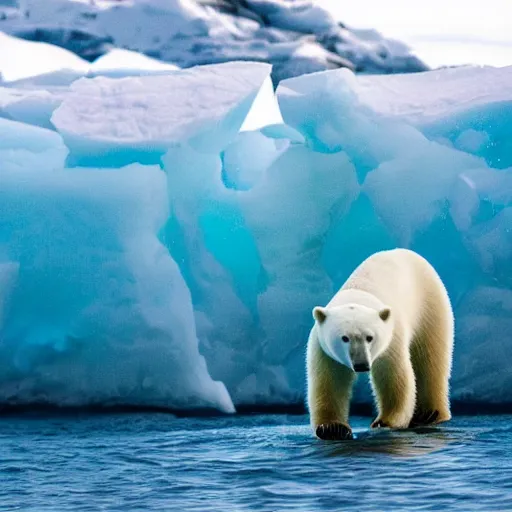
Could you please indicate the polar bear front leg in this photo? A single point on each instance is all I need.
(394, 386)
(329, 393)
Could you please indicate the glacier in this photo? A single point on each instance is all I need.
(164, 238)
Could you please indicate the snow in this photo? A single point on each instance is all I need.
(137, 115)
(20, 59)
(166, 242)
(295, 37)
(119, 63)
(27, 64)
(30, 92)
(35, 103)
(302, 16)
(419, 99)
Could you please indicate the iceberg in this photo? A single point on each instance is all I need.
(94, 310)
(30, 93)
(134, 119)
(30, 106)
(165, 243)
(26, 147)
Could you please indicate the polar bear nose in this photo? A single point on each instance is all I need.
(361, 367)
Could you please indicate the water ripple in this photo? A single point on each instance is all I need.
(253, 463)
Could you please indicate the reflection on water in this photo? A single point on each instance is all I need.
(409, 443)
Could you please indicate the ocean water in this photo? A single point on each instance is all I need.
(146, 462)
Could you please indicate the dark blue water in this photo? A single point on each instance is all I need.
(157, 462)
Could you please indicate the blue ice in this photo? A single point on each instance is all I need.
(165, 243)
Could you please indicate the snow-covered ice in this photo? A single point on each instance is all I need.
(149, 114)
(35, 77)
(20, 59)
(27, 64)
(296, 37)
(119, 63)
(119, 277)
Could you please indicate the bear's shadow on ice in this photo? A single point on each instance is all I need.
(404, 443)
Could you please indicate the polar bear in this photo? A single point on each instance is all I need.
(393, 318)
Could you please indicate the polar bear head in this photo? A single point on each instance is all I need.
(353, 334)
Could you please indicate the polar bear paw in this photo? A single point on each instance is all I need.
(422, 418)
(334, 432)
(379, 423)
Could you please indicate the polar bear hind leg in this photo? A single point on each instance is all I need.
(431, 355)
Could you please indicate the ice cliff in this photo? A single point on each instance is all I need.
(164, 238)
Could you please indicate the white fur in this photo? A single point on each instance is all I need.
(398, 299)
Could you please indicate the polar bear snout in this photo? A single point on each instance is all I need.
(361, 367)
(359, 356)
(361, 363)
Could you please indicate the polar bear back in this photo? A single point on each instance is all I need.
(400, 279)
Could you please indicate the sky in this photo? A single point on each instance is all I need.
(441, 32)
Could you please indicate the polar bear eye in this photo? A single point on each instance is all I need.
(345, 339)
(369, 338)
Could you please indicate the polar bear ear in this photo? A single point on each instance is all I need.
(319, 314)
(384, 313)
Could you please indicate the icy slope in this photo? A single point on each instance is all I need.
(28, 64)
(21, 59)
(191, 213)
(295, 37)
